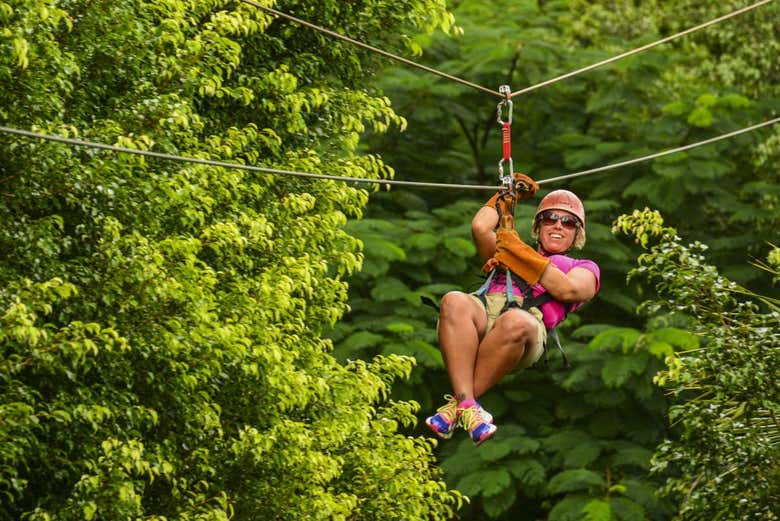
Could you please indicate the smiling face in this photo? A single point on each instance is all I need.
(557, 230)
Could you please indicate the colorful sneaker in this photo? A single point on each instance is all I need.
(445, 420)
(477, 421)
(485, 415)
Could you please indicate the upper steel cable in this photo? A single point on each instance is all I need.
(223, 164)
(640, 49)
(376, 50)
(662, 153)
(531, 88)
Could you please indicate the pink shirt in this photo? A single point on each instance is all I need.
(553, 311)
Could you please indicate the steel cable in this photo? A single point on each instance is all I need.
(640, 49)
(264, 170)
(525, 90)
(376, 50)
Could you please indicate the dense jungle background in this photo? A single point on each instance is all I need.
(184, 341)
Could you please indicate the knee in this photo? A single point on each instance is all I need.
(453, 305)
(516, 327)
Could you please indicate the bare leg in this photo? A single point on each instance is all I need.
(502, 348)
(462, 323)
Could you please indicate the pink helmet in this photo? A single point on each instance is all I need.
(562, 200)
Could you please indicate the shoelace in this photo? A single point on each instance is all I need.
(471, 418)
(450, 409)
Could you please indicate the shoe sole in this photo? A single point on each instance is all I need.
(477, 443)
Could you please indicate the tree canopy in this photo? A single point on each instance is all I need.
(160, 322)
(183, 341)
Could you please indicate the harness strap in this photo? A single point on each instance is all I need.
(482, 291)
(554, 334)
(511, 301)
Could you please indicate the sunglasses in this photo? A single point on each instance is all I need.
(550, 218)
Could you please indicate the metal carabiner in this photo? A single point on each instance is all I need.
(506, 91)
(506, 179)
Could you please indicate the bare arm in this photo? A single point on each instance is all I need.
(483, 231)
(579, 285)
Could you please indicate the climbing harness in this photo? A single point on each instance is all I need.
(525, 302)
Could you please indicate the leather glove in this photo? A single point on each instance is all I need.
(513, 253)
(502, 202)
(525, 187)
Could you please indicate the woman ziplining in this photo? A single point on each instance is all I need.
(503, 326)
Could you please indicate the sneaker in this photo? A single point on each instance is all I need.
(485, 415)
(445, 420)
(477, 421)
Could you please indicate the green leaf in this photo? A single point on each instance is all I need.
(527, 470)
(496, 450)
(615, 338)
(632, 456)
(575, 480)
(460, 247)
(590, 330)
(422, 241)
(627, 510)
(660, 350)
(642, 493)
(383, 249)
(582, 374)
(566, 440)
(497, 504)
(518, 395)
(389, 289)
(675, 108)
(362, 340)
(707, 100)
(484, 482)
(463, 461)
(680, 338)
(569, 508)
(582, 455)
(700, 117)
(597, 510)
(619, 369)
(425, 353)
(400, 327)
(607, 397)
(734, 101)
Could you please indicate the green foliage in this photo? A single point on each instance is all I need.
(724, 195)
(724, 465)
(161, 354)
(404, 258)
